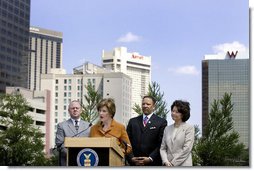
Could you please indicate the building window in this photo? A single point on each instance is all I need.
(69, 81)
(56, 88)
(56, 81)
(65, 81)
(56, 114)
(69, 88)
(56, 94)
(107, 60)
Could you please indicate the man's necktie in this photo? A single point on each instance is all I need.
(145, 120)
(76, 125)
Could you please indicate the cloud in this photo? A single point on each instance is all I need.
(222, 49)
(184, 70)
(129, 37)
(229, 47)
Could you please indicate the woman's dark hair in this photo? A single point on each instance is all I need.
(109, 103)
(183, 107)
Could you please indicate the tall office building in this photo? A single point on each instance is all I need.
(65, 88)
(89, 68)
(45, 53)
(14, 39)
(136, 66)
(231, 75)
(39, 102)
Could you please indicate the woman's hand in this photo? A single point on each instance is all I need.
(168, 164)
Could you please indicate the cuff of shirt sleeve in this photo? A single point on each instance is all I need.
(151, 159)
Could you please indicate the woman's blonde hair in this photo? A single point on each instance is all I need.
(109, 103)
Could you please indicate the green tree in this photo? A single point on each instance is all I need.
(195, 158)
(92, 98)
(161, 105)
(20, 142)
(220, 144)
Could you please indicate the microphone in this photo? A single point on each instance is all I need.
(121, 141)
(125, 143)
(90, 124)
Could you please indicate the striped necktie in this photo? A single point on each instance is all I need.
(76, 125)
(145, 120)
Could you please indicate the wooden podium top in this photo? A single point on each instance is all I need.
(93, 142)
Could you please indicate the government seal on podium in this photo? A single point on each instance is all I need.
(87, 157)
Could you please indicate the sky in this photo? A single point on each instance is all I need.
(177, 34)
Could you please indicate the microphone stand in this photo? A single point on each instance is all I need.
(90, 124)
(125, 146)
(125, 149)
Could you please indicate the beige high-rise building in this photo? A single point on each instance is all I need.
(45, 53)
(136, 66)
(89, 68)
(39, 101)
(67, 87)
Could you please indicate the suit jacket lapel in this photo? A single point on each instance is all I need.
(171, 133)
(82, 125)
(177, 131)
(181, 128)
(140, 123)
(150, 123)
(71, 126)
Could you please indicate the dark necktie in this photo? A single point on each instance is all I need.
(145, 120)
(76, 125)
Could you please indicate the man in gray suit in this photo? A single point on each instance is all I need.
(73, 127)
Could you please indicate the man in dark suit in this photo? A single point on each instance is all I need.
(73, 127)
(145, 133)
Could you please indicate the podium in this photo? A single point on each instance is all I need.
(93, 151)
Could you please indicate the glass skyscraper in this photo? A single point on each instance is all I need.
(14, 40)
(231, 76)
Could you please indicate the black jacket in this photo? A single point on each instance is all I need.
(146, 141)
